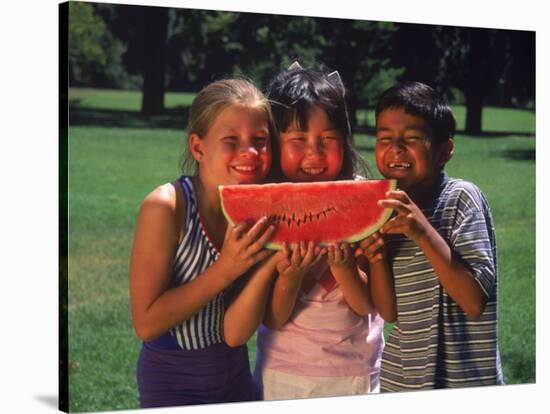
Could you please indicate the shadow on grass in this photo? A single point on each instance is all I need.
(175, 118)
(520, 368)
(498, 134)
(520, 154)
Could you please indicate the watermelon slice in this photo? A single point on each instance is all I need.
(322, 211)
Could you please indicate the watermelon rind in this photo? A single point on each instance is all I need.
(352, 239)
(224, 211)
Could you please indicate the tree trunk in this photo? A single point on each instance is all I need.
(154, 33)
(474, 108)
(478, 78)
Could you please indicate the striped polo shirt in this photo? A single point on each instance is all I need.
(433, 343)
(194, 254)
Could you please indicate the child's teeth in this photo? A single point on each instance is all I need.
(400, 165)
(314, 171)
(244, 168)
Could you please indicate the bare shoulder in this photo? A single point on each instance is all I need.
(164, 207)
(165, 196)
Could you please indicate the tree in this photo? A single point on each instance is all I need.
(152, 35)
(88, 37)
(486, 65)
(143, 30)
(360, 51)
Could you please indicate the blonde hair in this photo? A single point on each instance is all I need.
(211, 101)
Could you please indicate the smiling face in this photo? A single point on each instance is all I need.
(236, 149)
(313, 154)
(405, 152)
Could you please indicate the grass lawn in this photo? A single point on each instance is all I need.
(112, 168)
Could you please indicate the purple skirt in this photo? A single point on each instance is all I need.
(217, 374)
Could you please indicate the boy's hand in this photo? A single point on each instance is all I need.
(409, 220)
(373, 248)
(293, 265)
(340, 255)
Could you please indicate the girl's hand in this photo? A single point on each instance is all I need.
(242, 249)
(340, 255)
(373, 248)
(294, 265)
(409, 220)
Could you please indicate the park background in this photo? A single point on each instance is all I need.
(127, 122)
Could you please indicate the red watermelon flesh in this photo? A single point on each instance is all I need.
(322, 211)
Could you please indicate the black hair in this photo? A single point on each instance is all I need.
(294, 92)
(421, 100)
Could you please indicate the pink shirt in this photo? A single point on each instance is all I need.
(323, 336)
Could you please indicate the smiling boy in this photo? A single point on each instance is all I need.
(433, 268)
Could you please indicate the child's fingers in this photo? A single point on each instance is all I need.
(333, 253)
(257, 230)
(330, 253)
(317, 249)
(237, 230)
(392, 223)
(394, 227)
(303, 249)
(344, 249)
(310, 254)
(296, 259)
(318, 256)
(273, 256)
(369, 240)
(279, 256)
(376, 244)
(397, 205)
(375, 258)
(262, 240)
(399, 195)
(286, 250)
(261, 255)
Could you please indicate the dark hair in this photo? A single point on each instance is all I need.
(294, 92)
(420, 100)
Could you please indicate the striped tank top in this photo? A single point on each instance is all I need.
(194, 254)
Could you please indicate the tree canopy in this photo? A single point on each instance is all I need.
(157, 49)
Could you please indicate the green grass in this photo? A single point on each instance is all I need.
(122, 100)
(111, 169)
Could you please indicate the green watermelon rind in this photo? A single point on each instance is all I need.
(352, 239)
(220, 191)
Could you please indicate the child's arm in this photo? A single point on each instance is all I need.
(344, 269)
(291, 271)
(380, 276)
(247, 310)
(455, 276)
(156, 307)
